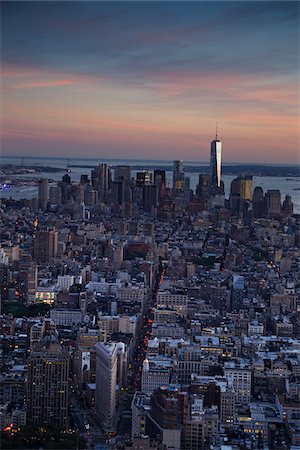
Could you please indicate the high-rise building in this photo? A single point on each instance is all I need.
(143, 178)
(66, 188)
(55, 195)
(101, 179)
(122, 173)
(84, 179)
(160, 175)
(246, 183)
(215, 164)
(45, 245)
(150, 198)
(203, 187)
(104, 181)
(160, 182)
(78, 193)
(106, 379)
(43, 195)
(287, 206)
(187, 190)
(66, 179)
(47, 387)
(258, 203)
(273, 203)
(240, 193)
(178, 178)
(116, 192)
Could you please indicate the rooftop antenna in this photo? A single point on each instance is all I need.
(216, 131)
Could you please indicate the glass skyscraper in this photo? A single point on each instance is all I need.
(215, 164)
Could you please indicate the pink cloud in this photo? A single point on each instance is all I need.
(44, 84)
(16, 76)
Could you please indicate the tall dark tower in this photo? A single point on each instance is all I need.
(178, 177)
(43, 194)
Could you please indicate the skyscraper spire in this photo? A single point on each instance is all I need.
(216, 131)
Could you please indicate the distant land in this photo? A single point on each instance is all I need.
(227, 169)
(236, 169)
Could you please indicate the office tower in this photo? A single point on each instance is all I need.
(104, 181)
(122, 173)
(116, 195)
(78, 193)
(258, 203)
(160, 182)
(273, 203)
(106, 379)
(45, 245)
(43, 194)
(55, 195)
(101, 179)
(287, 206)
(235, 196)
(95, 177)
(82, 211)
(65, 186)
(90, 195)
(84, 179)
(160, 177)
(203, 187)
(215, 165)
(47, 387)
(246, 187)
(178, 178)
(187, 190)
(66, 179)
(240, 194)
(143, 178)
(150, 198)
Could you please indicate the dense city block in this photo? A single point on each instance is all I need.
(135, 314)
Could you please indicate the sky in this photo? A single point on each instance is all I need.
(149, 80)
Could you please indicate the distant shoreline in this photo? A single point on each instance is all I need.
(128, 161)
(236, 169)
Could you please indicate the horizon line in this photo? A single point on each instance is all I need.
(143, 160)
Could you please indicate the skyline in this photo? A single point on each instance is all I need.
(146, 83)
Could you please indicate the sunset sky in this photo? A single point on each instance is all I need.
(149, 80)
